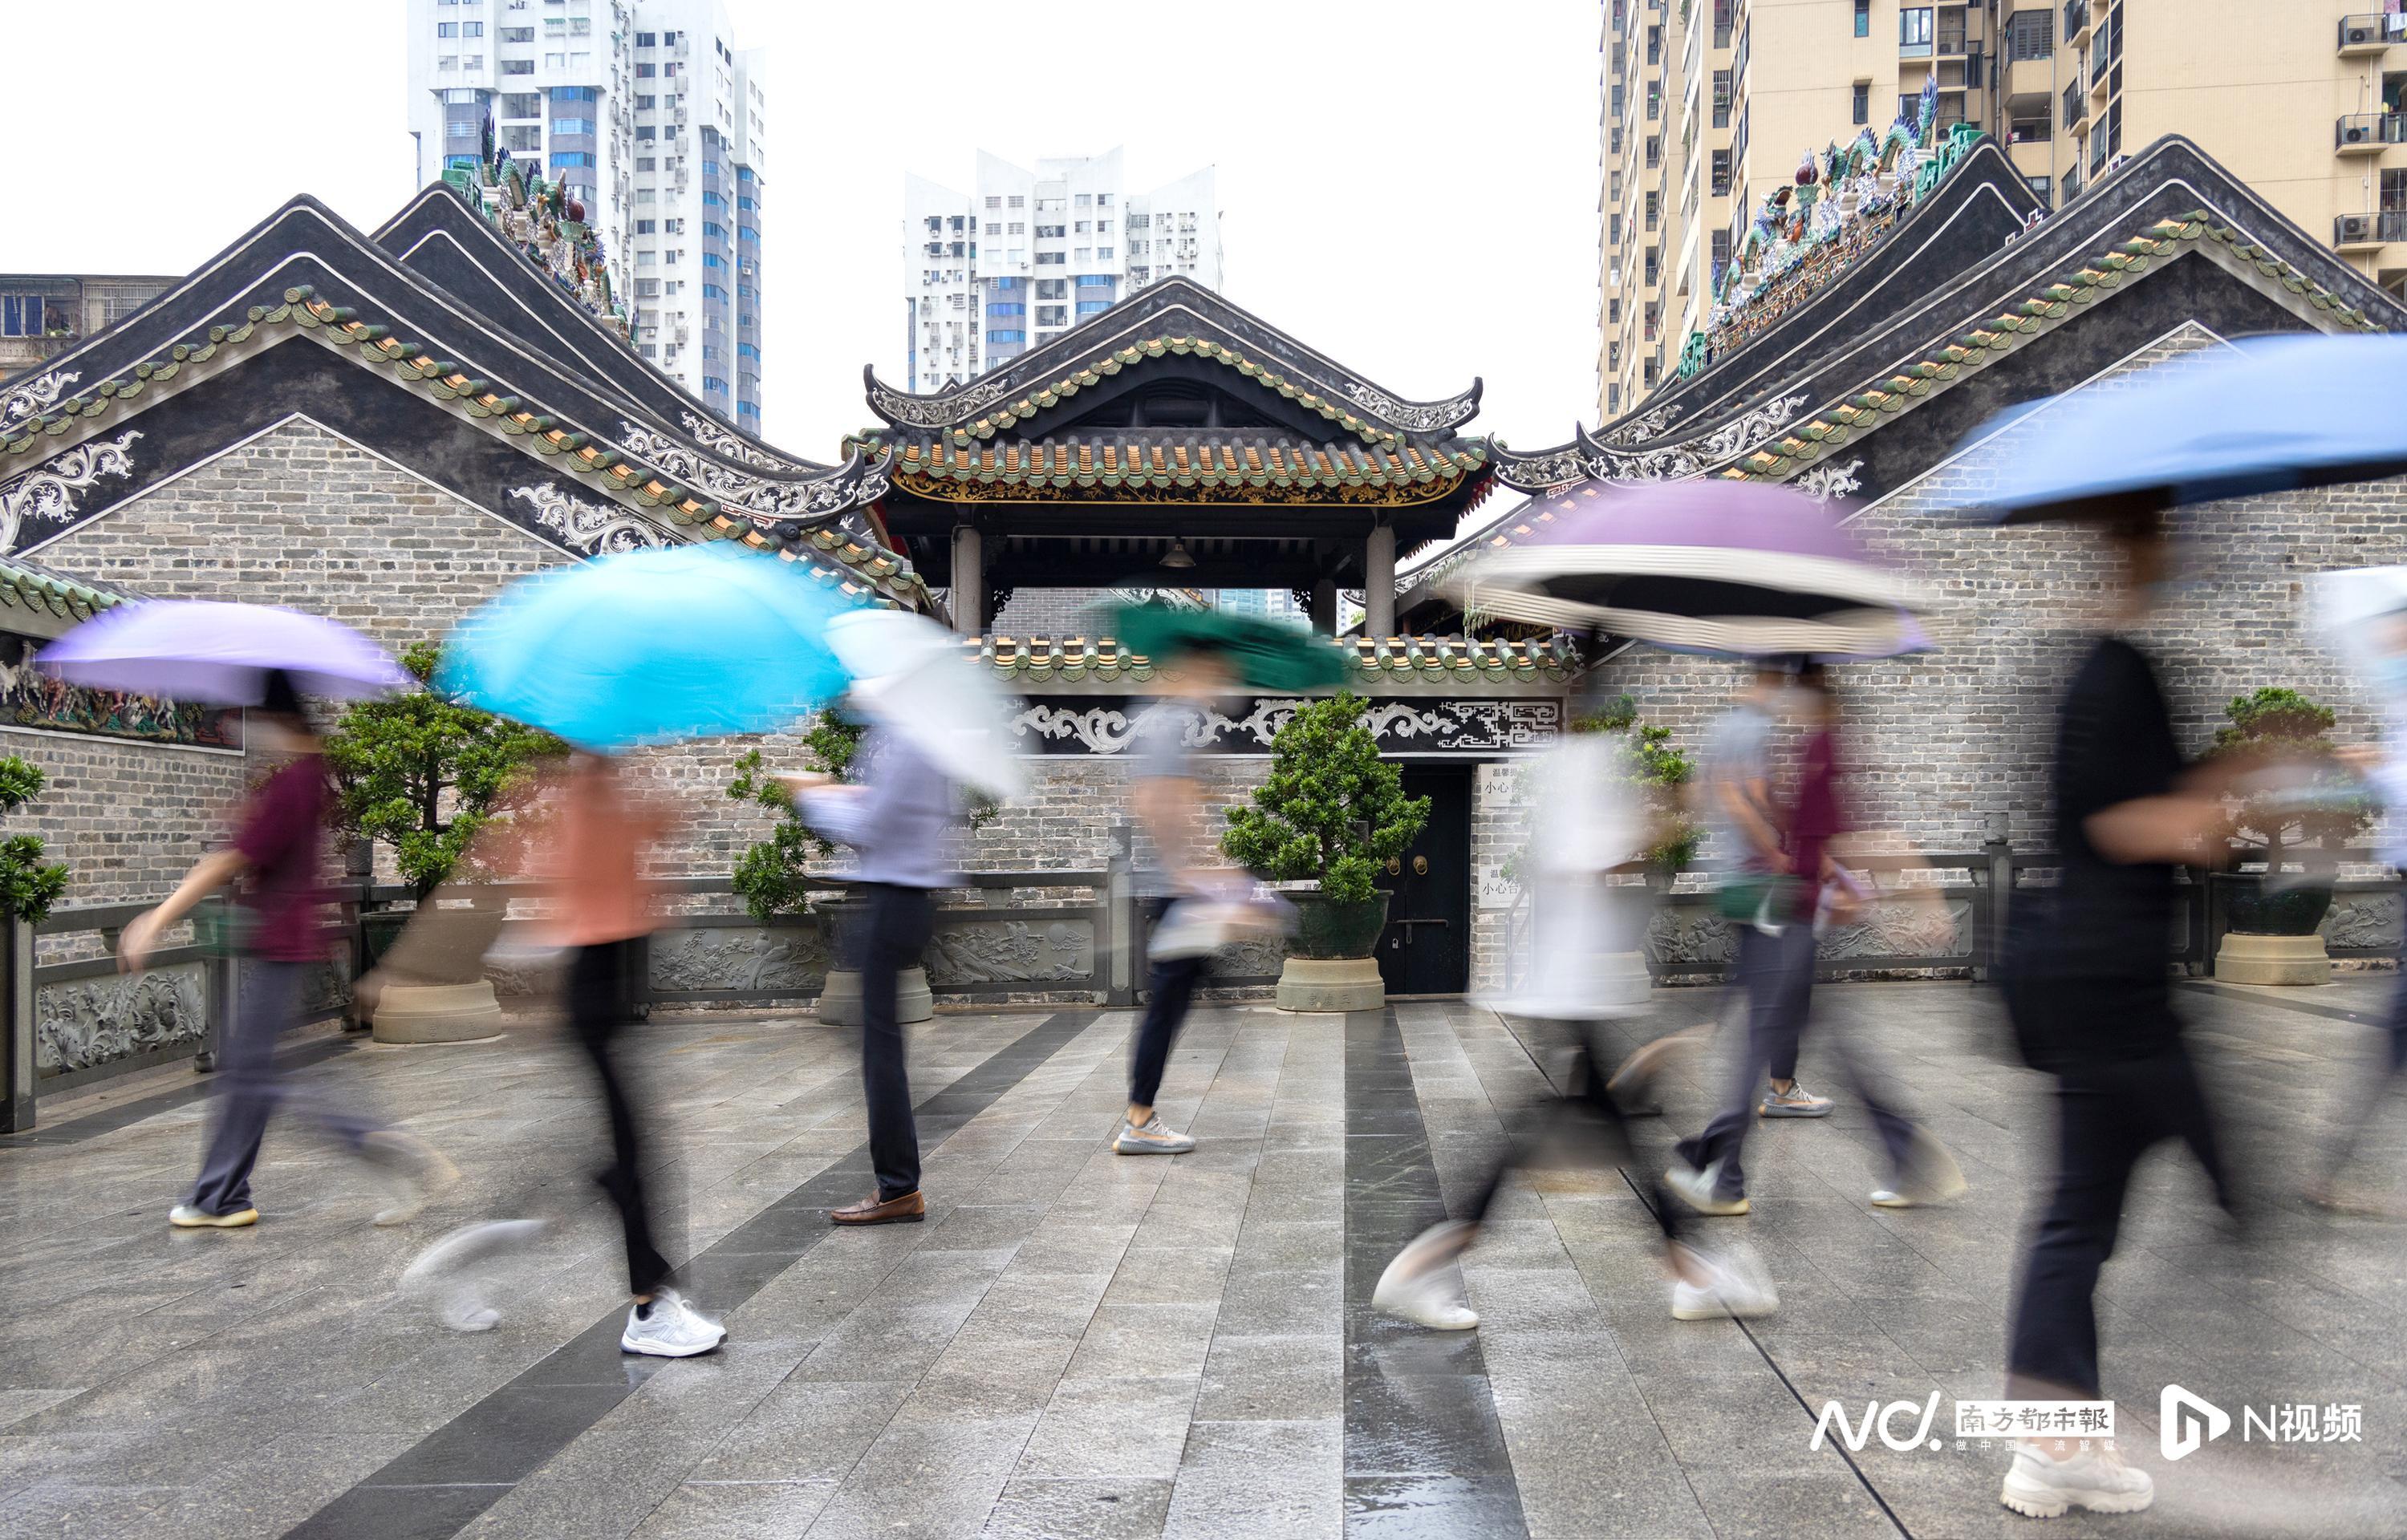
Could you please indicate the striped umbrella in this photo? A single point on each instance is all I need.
(1715, 565)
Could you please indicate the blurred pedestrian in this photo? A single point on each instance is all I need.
(2380, 642)
(1772, 909)
(2090, 1004)
(277, 860)
(598, 836)
(1586, 967)
(1172, 861)
(901, 818)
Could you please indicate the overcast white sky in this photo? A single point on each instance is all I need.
(1409, 185)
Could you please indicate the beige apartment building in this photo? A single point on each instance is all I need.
(1709, 105)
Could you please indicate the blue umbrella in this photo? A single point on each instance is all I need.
(651, 646)
(2269, 415)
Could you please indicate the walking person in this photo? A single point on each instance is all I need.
(1172, 862)
(1772, 909)
(2381, 640)
(601, 914)
(2091, 1005)
(902, 819)
(1586, 970)
(277, 860)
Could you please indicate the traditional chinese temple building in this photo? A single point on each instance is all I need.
(385, 426)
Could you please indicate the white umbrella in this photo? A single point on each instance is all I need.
(911, 676)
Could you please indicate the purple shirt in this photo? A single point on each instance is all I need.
(283, 837)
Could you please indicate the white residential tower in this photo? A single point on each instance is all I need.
(648, 111)
(990, 273)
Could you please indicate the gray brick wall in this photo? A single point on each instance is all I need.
(127, 818)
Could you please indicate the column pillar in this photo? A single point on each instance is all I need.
(1379, 581)
(969, 580)
(1324, 605)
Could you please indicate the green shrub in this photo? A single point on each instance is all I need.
(1659, 772)
(29, 885)
(421, 773)
(2280, 726)
(1332, 811)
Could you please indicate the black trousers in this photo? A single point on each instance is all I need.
(1170, 985)
(1583, 1126)
(1775, 973)
(601, 1007)
(900, 921)
(2108, 1115)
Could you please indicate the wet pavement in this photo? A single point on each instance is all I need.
(1076, 1344)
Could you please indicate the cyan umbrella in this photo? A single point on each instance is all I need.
(1261, 653)
(219, 655)
(2270, 415)
(651, 646)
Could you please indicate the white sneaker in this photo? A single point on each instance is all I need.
(2043, 1486)
(413, 1170)
(1153, 1137)
(671, 1329)
(1736, 1285)
(1413, 1287)
(1695, 1188)
(1932, 1178)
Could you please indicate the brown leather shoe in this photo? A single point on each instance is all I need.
(910, 1208)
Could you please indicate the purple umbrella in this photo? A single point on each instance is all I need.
(219, 655)
(1715, 565)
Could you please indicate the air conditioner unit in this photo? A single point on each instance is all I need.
(2357, 227)
(2356, 134)
(2360, 34)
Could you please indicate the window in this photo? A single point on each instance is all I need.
(1654, 100)
(646, 72)
(2044, 187)
(1654, 209)
(518, 35)
(1006, 285)
(446, 29)
(448, 62)
(1094, 281)
(1864, 111)
(1009, 335)
(1052, 289)
(1102, 199)
(575, 93)
(712, 200)
(668, 40)
(572, 125)
(714, 384)
(1913, 31)
(995, 201)
(1018, 201)
(518, 66)
(1092, 308)
(1721, 173)
(647, 227)
(1654, 151)
(644, 134)
(21, 315)
(523, 103)
(710, 168)
(645, 162)
(646, 104)
(1051, 231)
(712, 259)
(565, 159)
(2031, 34)
(1103, 253)
(522, 138)
(1863, 18)
(472, 29)
(716, 231)
(1721, 98)
(1052, 315)
(746, 350)
(1013, 308)
(747, 205)
(1050, 259)
(712, 291)
(1721, 252)
(1019, 228)
(2394, 190)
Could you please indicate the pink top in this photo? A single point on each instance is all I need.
(597, 850)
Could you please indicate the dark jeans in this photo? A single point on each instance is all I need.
(1170, 983)
(900, 921)
(2378, 1081)
(1775, 974)
(2108, 1115)
(249, 1086)
(1585, 1125)
(601, 1006)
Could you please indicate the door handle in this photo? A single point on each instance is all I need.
(1420, 922)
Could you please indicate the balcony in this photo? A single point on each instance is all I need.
(2076, 109)
(2370, 33)
(2369, 132)
(2363, 232)
(2076, 22)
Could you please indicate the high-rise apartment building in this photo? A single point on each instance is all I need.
(1711, 104)
(647, 111)
(43, 314)
(988, 274)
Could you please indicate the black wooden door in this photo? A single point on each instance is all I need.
(1426, 949)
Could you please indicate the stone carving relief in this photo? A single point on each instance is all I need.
(49, 491)
(789, 958)
(1693, 935)
(1830, 480)
(1696, 457)
(1541, 472)
(936, 411)
(1414, 416)
(34, 698)
(801, 500)
(2363, 922)
(594, 528)
(1464, 727)
(983, 952)
(1645, 426)
(36, 396)
(711, 435)
(1256, 957)
(100, 1021)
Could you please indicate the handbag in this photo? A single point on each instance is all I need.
(1766, 900)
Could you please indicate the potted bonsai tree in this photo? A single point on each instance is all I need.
(1331, 813)
(422, 775)
(2296, 829)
